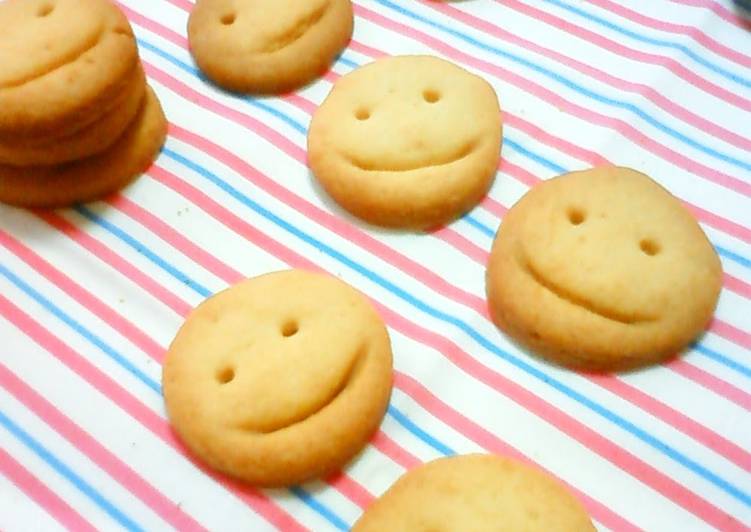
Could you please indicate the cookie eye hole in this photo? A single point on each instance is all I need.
(362, 114)
(576, 216)
(649, 247)
(431, 96)
(228, 19)
(44, 10)
(225, 375)
(290, 328)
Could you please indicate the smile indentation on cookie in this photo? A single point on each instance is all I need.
(372, 166)
(584, 302)
(71, 56)
(290, 35)
(349, 375)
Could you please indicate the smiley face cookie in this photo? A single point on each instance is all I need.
(279, 379)
(268, 46)
(478, 493)
(93, 177)
(63, 61)
(602, 269)
(410, 141)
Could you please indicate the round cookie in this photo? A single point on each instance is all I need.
(86, 142)
(268, 46)
(63, 62)
(476, 493)
(602, 270)
(279, 379)
(97, 176)
(408, 141)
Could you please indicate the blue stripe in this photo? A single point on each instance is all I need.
(122, 361)
(197, 73)
(318, 507)
(142, 250)
(477, 224)
(735, 257)
(611, 416)
(63, 470)
(417, 431)
(540, 159)
(651, 40)
(80, 329)
(573, 86)
(722, 359)
(301, 128)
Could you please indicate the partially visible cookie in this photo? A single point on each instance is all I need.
(603, 270)
(268, 46)
(279, 379)
(85, 142)
(94, 177)
(409, 141)
(476, 493)
(62, 62)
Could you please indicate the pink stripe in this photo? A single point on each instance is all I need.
(491, 443)
(65, 283)
(642, 57)
(738, 286)
(656, 97)
(463, 244)
(721, 445)
(590, 438)
(393, 450)
(90, 243)
(357, 493)
(187, 247)
(116, 468)
(730, 332)
(246, 170)
(712, 383)
(292, 258)
(560, 144)
(256, 500)
(553, 415)
(38, 491)
(719, 10)
(554, 98)
(679, 29)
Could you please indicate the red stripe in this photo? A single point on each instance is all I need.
(560, 144)
(646, 91)
(355, 492)
(42, 495)
(244, 169)
(642, 57)
(616, 124)
(491, 443)
(68, 285)
(710, 382)
(295, 260)
(393, 450)
(116, 468)
(738, 286)
(463, 361)
(680, 29)
(88, 242)
(256, 500)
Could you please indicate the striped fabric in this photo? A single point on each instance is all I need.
(91, 296)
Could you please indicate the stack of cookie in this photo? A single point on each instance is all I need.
(78, 120)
